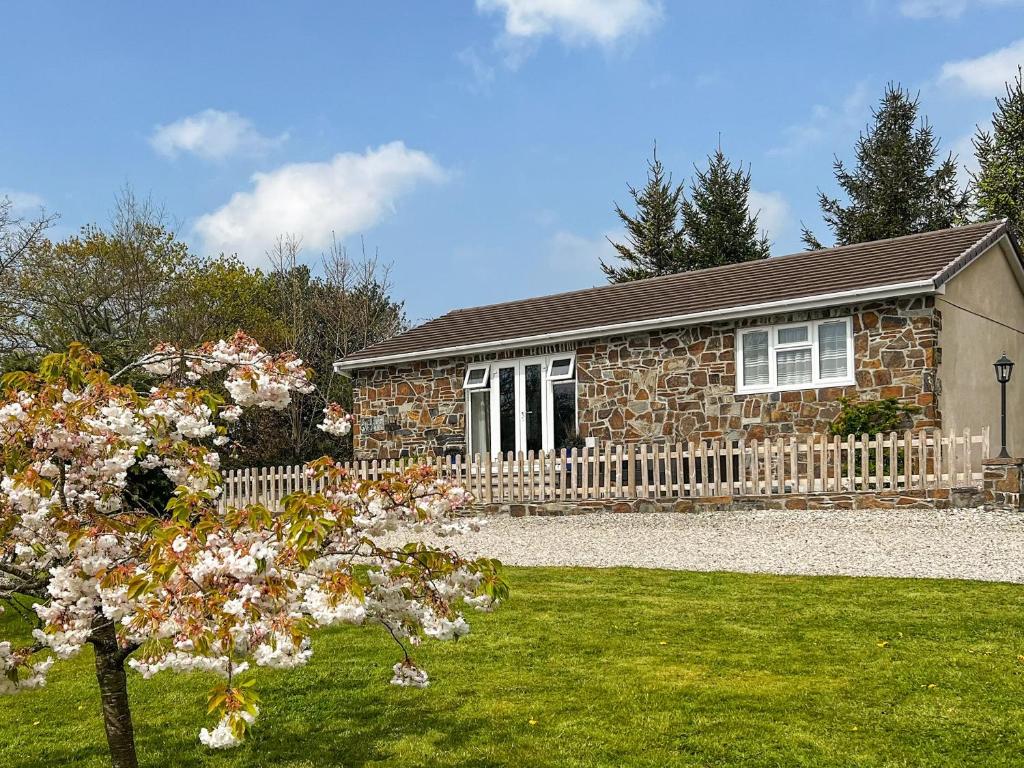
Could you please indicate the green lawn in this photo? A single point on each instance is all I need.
(613, 667)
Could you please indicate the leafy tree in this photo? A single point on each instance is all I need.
(184, 585)
(214, 297)
(716, 219)
(106, 288)
(896, 187)
(999, 181)
(654, 235)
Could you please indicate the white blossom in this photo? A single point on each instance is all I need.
(408, 675)
(195, 588)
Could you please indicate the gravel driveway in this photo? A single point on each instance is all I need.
(954, 544)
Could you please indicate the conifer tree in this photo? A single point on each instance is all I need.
(654, 236)
(999, 181)
(896, 188)
(716, 220)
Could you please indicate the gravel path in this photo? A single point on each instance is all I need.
(960, 544)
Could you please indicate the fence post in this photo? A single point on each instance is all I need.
(755, 469)
(741, 466)
(730, 475)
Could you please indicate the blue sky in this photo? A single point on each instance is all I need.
(478, 145)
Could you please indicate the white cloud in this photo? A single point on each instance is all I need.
(22, 203)
(212, 135)
(949, 9)
(825, 123)
(345, 195)
(985, 75)
(574, 261)
(575, 21)
(481, 72)
(773, 213)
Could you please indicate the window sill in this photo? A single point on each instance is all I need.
(796, 387)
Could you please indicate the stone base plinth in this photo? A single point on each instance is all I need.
(939, 498)
(1003, 482)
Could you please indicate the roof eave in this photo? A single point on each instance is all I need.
(968, 257)
(695, 318)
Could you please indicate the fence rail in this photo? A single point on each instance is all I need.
(799, 464)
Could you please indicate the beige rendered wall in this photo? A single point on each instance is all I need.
(969, 394)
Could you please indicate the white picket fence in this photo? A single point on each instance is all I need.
(799, 464)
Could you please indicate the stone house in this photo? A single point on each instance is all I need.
(749, 350)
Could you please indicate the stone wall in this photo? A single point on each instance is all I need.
(418, 407)
(1004, 482)
(408, 409)
(938, 498)
(681, 384)
(665, 385)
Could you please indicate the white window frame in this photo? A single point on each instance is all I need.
(570, 374)
(484, 383)
(816, 382)
(519, 364)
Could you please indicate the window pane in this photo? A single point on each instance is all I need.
(793, 335)
(561, 367)
(534, 415)
(480, 421)
(475, 377)
(794, 366)
(832, 350)
(563, 409)
(507, 409)
(755, 358)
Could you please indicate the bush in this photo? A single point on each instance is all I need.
(873, 417)
(859, 417)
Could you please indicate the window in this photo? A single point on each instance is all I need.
(526, 404)
(476, 377)
(479, 422)
(755, 359)
(478, 408)
(832, 344)
(796, 356)
(563, 412)
(793, 355)
(560, 368)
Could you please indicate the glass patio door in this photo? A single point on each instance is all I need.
(517, 406)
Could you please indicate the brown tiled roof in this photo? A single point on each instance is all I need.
(927, 259)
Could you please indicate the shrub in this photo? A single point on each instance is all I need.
(859, 417)
(873, 417)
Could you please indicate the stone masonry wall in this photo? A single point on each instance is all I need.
(418, 407)
(681, 385)
(408, 409)
(666, 385)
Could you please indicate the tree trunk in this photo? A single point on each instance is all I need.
(117, 717)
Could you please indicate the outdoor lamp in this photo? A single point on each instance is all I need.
(1004, 367)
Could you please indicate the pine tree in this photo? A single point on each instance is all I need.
(896, 187)
(999, 182)
(654, 237)
(716, 220)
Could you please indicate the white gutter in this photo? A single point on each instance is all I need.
(613, 329)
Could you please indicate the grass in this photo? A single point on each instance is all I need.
(612, 667)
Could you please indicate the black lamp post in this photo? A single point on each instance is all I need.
(1004, 367)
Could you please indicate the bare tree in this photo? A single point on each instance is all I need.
(18, 236)
(356, 300)
(325, 317)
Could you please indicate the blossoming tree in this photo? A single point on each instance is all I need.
(92, 555)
